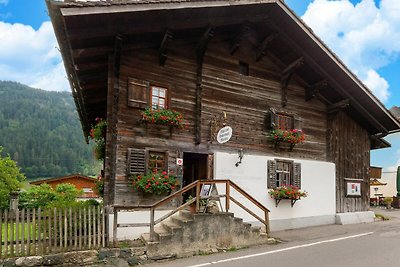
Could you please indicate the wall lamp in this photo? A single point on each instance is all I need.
(240, 155)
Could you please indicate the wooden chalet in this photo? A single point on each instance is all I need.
(81, 182)
(250, 65)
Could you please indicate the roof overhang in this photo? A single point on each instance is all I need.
(86, 33)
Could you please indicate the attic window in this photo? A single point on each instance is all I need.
(243, 68)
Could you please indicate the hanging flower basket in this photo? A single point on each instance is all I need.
(163, 117)
(98, 134)
(292, 137)
(290, 192)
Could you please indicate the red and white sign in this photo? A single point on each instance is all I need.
(179, 161)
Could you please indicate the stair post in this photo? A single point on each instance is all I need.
(152, 224)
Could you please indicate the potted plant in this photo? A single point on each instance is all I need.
(388, 202)
(98, 134)
(163, 117)
(292, 137)
(287, 192)
(155, 182)
(192, 206)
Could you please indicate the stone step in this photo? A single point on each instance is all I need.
(171, 227)
(182, 221)
(162, 234)
(146, 239)
(186, 214)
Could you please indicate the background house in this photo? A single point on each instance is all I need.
(81, 182)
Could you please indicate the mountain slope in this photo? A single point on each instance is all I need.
(42, 132)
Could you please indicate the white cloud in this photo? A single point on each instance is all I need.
(365, 37)
(3, 2)
(31, 56)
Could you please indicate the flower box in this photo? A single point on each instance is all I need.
(290, 137)
(290, 192)
(163, 117)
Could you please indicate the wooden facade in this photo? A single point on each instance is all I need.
(236, 64)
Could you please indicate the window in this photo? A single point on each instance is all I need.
(87, 190)
(158, 97)
(284, 122)
(156, 161)
(283, 172)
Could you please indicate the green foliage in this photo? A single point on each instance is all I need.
(42, 133)
(155, 183)
(98, 134)
(10, 178)
(43, 196)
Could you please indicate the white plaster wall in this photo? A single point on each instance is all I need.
(388, 190)
(131, 233)
(318, 179)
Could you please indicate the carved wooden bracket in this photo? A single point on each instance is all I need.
(338, 106)
(244, 31)
(201, 50)
(203, 42)
(286, 76)
(164, 46)
(315, 89)
(263, 47)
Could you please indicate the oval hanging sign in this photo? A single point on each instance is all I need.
(224, 134)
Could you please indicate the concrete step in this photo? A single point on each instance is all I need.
(162, 234)
(171, 227)
(146, 239)
(186, 214)
(182, 221)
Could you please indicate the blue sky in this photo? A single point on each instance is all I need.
(365, 34)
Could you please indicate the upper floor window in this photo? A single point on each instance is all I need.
(284, 122)
(158, 97)
(157, 161)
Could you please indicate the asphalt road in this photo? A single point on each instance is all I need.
(371, 244)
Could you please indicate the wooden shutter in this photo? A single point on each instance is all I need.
(136, 161)
(271, 176)
(138, 93)
(297, 175)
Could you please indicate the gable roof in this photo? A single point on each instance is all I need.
(63, 178)
(86, 32)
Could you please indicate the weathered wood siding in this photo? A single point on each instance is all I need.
(350, 151)
(245, 99)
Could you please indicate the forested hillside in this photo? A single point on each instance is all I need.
(41, 131)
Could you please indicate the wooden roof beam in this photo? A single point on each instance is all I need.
(262, 48)
(286, 75)
(244, 31)
(163, 51)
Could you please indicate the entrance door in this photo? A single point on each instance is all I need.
(195, 167)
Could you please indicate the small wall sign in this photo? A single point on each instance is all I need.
(224, 134)
(179, 161)
(353, 189)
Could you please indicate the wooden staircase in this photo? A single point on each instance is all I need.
(189, 233)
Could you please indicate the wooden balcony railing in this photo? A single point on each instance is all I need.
(198, 185)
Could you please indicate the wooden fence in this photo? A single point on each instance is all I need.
(39, 232)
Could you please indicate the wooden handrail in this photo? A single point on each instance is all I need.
(196, 184)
